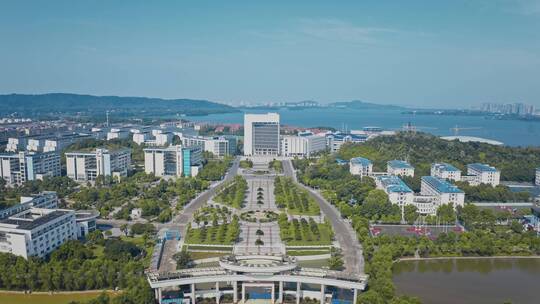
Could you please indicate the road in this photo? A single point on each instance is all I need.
(346, 236)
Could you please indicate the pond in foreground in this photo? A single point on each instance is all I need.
(479, 281)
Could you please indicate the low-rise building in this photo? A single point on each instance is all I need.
(442, 190)
(335, 140)
(173, 161)
(445, 171)
(87, 166)
(303, 145)
(399, 167)
(478, 173)
(37, 231)
(15, 144)
(117, 133)
(398, 192)
(360, 166)
(17, 168)
(44, 200)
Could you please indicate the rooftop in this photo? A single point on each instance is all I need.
(400, 164)
(445, 167)
(393, 184)
(482, 167)
(341, 136)
(441, 185)
(29, 220)
(360, 161)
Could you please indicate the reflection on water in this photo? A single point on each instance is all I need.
(469, 280)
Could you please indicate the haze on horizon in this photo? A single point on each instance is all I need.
(419, 53)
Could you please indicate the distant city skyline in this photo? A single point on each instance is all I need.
(457, 54)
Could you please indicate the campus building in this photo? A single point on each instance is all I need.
(302, 145)
(173, 161)
(154, 138)
(398, 192)
(478, 173)
(537, 177)
(117, 133)
(399, 167)
(217, 145)
(443, 191)
(87, 166)
(445, 171)
(335, 140)
(44, 200)
(261, 134)
(37, 231)
(17, 168)
(360, 166)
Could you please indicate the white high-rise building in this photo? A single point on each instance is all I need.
(302, 145)
(261, 134)
(537, 177)
(173, 161)
(445, 171)
(87, 166)
(17, 168)
(482, 174)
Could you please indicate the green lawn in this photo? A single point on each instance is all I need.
(205, 255)
(16, 298)
(306, 252)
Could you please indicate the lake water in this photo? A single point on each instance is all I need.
(510, 132)
(478, 281)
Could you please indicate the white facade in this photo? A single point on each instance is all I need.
(17, 168)
(537, 177)
(15, 144)
(335, 140)
(483, 174)
(445, 171)
(140, 138)
(398, 192)
(116, 133)
(218, 145)
(399, 167)
(360, 166)
(37, 232)
(302, 146)
(87, 166)
(173, 161)
(261, 134)
(444, 192)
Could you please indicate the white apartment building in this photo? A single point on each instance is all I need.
(360, 166)
(442, 190)
(117, 133)
(537, 177)
(302, 145)
(398, 192)
(261, 134)
(44, 200)
(399, 167)
(15, 144)
(173, 161)
(87, 166)
(478, 173)
(153, 139)
(36, 231)
(218, 145)
(445, 171)
(17, 168)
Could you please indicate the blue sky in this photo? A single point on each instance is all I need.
(426, 53)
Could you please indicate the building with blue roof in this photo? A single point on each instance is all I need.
(399, 167)
(444, 191)
(337, 139)
(478, 173)
(398, 192)
(360, 166)
(445, 171)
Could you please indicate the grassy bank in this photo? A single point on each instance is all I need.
(7, 297)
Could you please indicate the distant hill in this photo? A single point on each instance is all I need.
(43, 104)
(358, 104)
